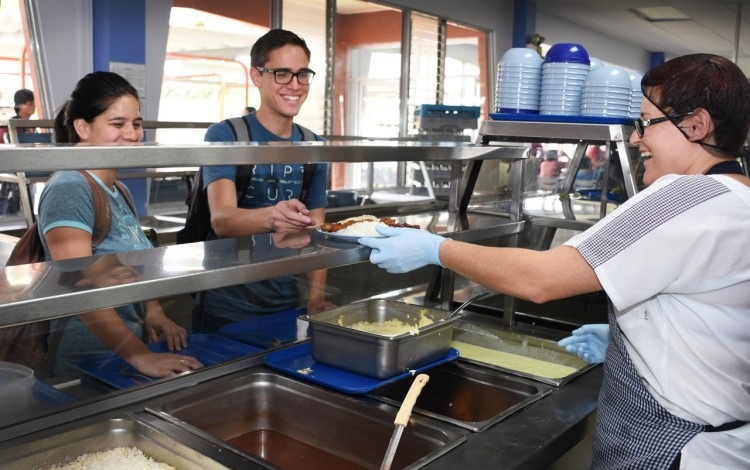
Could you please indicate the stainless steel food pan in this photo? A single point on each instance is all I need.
(489, 333)
(294, 425)
(336, 344)
(65, 447)
(467, 395)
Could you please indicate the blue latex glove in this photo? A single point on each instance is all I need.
(403, 249)
(588, 342)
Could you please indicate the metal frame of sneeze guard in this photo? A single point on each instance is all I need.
(38, 292)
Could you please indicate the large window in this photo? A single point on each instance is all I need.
(206, 71)
(15, 70)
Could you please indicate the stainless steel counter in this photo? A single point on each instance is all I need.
(48, 290)
(534, 437)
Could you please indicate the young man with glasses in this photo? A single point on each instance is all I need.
(674, 261)
(272, 201)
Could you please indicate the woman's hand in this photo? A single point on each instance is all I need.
(317, 305)
(401, 250)
(164, 364)
(158, 324)
(588, 342)
(107, 271)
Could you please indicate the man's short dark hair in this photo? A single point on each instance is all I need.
(272, 40)
(23, 96)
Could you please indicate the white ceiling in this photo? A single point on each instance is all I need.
(711, 29)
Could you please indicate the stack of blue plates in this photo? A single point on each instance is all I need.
(636, 94)
(518, 81)
(564, 73)
(606, 93)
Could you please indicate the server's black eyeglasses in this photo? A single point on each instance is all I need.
(284, 77)
(641, 124)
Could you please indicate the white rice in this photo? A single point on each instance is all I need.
(125, 458)
(363, 229)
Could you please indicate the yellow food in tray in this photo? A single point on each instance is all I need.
(515, 362)
(392, 327)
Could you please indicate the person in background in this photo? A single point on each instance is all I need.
(551, 166)
(25, 107)
(103, 109)
(674, 261)
(595, 154)
(279, 67)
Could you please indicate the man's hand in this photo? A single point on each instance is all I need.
(403, 249)
(291, 216)
(291, 239)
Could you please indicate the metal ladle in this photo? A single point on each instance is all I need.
(466, 304)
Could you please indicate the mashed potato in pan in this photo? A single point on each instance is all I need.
(392, 327)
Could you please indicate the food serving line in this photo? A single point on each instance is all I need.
(547, 421)
(173, 416)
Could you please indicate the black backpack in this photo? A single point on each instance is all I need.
(198, 221)
(27, 344)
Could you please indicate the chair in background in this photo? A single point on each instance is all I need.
(27, 180)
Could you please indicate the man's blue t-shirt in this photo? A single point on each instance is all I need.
(268, 185)
(67, 202)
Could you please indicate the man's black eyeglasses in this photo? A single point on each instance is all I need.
(641, 124)
(284, 77)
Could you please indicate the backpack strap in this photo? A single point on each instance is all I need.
(308, 169)
(307, 134)
(242, 133)
(102, 209)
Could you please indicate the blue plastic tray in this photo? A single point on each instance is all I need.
(207, 348)
(560, 119)
(296, 359)
(596, 195)
(48, 394)
(268, 331)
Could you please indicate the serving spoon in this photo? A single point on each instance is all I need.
(466, 304)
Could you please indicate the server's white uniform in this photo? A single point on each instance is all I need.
(675, 263)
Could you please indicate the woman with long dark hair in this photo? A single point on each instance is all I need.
(103, 109)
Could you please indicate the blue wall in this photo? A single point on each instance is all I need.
(119, 31)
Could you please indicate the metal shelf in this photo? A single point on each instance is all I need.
(49, 157)
(614, 136)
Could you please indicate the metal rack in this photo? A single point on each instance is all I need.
(613, 136)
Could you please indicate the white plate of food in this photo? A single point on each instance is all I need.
(354, 228)
(344, 236)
